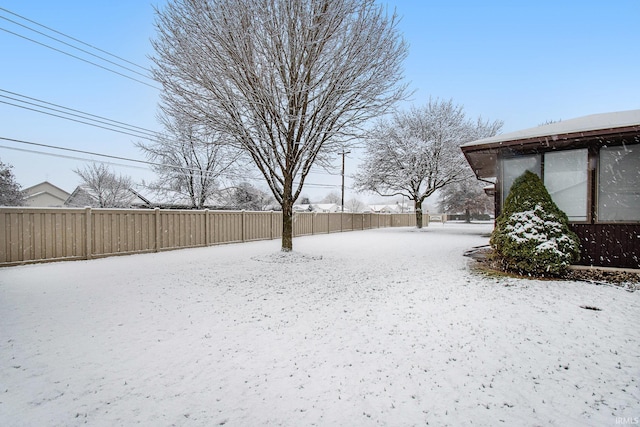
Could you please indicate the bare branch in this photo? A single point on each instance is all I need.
(102, 188)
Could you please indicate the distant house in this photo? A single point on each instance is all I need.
(304, 207)
(317, 207)
(82, 197)
(591, 167)
(45, 195)
(381, 209)
(325, 207)
(163, 199)
(141, 198)
(390, 208)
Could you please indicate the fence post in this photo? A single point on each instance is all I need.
(328, 222)
(156, 212)
(207, 227)
(242, 226)
(271, 224)
(87, 214)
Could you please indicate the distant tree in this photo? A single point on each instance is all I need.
(332, 197)
(11, 193)
(305, 200)
(245, 196)
(289, 81)
(418, 152)
(355, 205)
(190, 160)
(104, 188)
(466, 196)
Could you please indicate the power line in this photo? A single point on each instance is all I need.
(78, 111)
(24, 150)
(73, 120)
(79, 58)
(74, 39)
(20, 141)
(77, 48)
(144, 133)
(128, 128)
(91, 153)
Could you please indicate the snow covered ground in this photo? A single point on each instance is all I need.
(381, 327)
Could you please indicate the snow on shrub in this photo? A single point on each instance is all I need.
(532, 234)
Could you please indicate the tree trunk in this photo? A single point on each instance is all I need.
(467, 216)
(287, 216)
(418, 208)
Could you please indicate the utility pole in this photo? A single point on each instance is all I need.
(343, 153)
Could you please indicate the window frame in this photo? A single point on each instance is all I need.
(519, 156)
(597, 186)
(588, 182)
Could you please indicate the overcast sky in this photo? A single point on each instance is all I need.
(521, 62)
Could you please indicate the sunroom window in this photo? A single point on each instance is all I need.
(565, 176)
(619, 183)
(513, 167)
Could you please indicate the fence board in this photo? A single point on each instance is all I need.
(257, 226)
(302, 223)
(227, 227)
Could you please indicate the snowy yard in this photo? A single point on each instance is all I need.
(382, 327)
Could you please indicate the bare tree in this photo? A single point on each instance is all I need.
(332, 197)
(190, 160)
(104, 188)
(290, 81)
(466, 196)
(418, 152)
(11, 193)
(248, 197)
(355, 205)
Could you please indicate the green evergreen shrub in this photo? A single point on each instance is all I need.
(532, 234)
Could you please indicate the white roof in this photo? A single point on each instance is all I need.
(581, 124)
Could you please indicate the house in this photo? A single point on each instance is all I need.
(82, 196)
(45, 195)
(391, 208)
(305, 207)
(317, 207)
(325, 207)
(380, 209)
(590, 166)
(165, 199)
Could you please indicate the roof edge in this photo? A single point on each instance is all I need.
(587, 126)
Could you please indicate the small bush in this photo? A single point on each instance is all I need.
(532, 235)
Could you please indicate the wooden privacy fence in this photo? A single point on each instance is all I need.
(53, 234)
